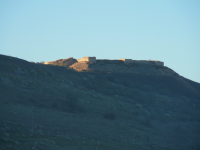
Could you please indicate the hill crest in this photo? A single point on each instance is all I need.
(148, 67)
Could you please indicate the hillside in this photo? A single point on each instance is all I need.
(46, 107)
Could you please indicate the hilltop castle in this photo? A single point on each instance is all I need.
(69, 61)
(91, 64)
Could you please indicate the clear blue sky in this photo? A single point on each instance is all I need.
(46, 30)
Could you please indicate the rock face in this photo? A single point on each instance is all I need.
(80, 66)
(62, 62)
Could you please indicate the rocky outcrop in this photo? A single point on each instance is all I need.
(80, 66)
(62, 62)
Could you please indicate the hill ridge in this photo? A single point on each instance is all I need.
(151, 67)
(52, 106)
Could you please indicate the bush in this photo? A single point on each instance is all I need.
(72, 101)
(109, 116)
(110, 78)
(54, 105)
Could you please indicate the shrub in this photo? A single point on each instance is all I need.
(72, 101)
(54, 105)
(110, 78)
(109, 116)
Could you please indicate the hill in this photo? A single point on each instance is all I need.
(54, 107)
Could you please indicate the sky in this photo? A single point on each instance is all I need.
(47, 30)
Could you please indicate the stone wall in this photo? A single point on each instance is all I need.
(130, 61)
(126, 60)
(145, 62)
(147, 67)
(102, 61)
(87, 59)
(49, 62)
(70, 61)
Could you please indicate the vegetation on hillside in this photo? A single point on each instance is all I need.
(47, 106)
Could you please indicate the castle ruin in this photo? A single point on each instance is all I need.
(91, 64)
(87, 59)
(126, 61)
(69, 61)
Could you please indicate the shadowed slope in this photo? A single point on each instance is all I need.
(52, 107)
